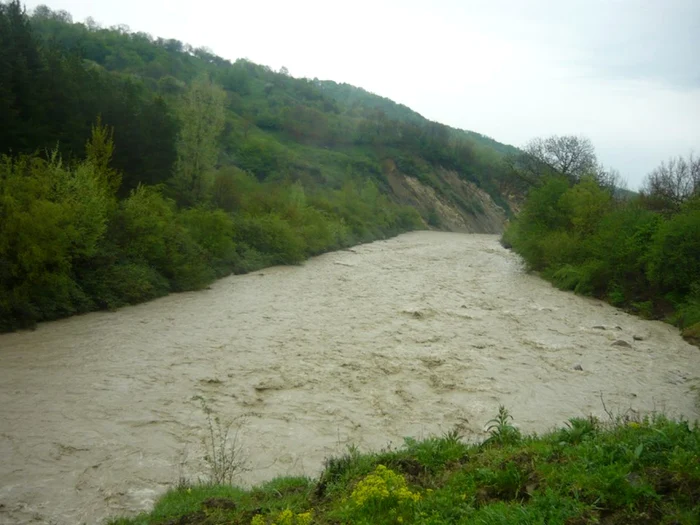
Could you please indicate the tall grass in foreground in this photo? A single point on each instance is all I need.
(627, 471)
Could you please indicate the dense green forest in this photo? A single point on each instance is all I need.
(134, 166)
(638, 251)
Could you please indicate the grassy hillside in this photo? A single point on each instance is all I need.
(629, 472)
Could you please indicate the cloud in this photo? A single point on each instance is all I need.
(648, 40)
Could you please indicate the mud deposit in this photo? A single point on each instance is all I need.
(406, 337)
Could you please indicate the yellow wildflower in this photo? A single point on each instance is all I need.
(304, 518)
(382, 484)
(286, 517)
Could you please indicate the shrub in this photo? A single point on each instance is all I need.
(589, 278)
(213, 231)
(558, 248)
(688, 313)
(148, 232)
(273, 236)
(674, 261)
(52, 217)
(124, 283)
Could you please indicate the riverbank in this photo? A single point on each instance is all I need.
(638, 254)
(628, 471)
(410, 336)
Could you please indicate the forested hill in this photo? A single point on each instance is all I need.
(358, 98)
(275, 126)
(133, 166)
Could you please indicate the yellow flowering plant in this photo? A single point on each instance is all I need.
(384, 490)
(286, 517)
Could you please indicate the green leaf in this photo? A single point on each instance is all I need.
(638, 450)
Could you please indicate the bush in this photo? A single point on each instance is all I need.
(558, 248)
(585, 205)
(622, 242)
(273, 236)
(141, 227)
(149, 233)
(213, 231)
(124, 283)
(51, 217)
(320, 232)
(232, 189)
(674, 261)
(589, 278)
(688, 313)
(541, 215)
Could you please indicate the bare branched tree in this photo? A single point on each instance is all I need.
(527, 168)
(674, 181)
(611, 180)
(568, 155)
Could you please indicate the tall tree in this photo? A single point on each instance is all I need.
(99, 150)
(610, 180)
(571, 156)
(673, 182)
(201, 113)
(22, 81)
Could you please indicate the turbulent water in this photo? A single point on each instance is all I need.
(408, 337)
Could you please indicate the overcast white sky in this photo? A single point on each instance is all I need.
(625, 73)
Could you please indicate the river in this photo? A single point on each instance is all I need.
(412, 336)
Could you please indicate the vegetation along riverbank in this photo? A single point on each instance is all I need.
(626, 471)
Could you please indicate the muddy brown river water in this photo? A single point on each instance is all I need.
(406, 337)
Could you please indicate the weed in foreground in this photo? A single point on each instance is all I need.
(224, 454)
(501, 429)
(640, 471)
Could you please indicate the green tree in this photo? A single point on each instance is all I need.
(99, 150)
(586, 204)
(201, 114)
(23, 95)
(52, 217)
(674, 261)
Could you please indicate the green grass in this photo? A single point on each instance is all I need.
(630, 472)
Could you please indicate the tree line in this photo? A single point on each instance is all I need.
(637, 251)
